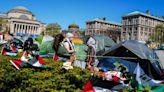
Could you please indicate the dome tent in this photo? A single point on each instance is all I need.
(136, 52)
(45, 44)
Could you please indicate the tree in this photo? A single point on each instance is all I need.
(53, 29)
(158, 35)
(4, 25)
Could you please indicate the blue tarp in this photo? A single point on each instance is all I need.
(23, 34)
(108, 64)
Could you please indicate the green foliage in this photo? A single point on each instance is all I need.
(53, 29)
(158, 35)
(55, 78)
(3, 25)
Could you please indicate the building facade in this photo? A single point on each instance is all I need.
(139, 26)
(23, 22)
(103, 27)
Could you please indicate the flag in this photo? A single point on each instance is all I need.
(99, 85)
(17, 63)
(143, 79)
(138, 73)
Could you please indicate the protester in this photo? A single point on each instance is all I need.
(91, 53)
(69, 45)
(56, 44)
(31, 55)
(64, 46)
(28, 43)
(8, 48)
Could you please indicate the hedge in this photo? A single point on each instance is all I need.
(55, 78)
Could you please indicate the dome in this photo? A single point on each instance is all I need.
(73, 26)
(20, 8)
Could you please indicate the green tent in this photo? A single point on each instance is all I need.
(39, 39)
(103, 42)
(81, 53)
(46, 48)
(45, 44)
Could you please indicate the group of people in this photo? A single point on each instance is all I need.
(64, 47)
(30, 53)
(65, 51)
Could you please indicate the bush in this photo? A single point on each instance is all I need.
(54, 79)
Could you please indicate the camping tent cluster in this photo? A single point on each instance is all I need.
(137, 58)
(139, 61)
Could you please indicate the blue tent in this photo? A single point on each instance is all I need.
(108, 64)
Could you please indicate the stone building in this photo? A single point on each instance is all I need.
(139, 26)
(23, 22)
(103, 27)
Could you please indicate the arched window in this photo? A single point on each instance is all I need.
(24, 17)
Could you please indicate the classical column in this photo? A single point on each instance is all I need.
(20, 28)
(37, 31)
(15, 25)
(12, 27)
(29, 28)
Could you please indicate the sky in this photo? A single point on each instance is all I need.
(65, 12)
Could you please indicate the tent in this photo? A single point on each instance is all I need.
(39, 39)
(103, 42)
(160, 55)
(45, 44)
(18, 42)
(137, 52)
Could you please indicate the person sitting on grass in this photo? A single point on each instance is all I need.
(31, 55)
(65, 49)
(9, 48)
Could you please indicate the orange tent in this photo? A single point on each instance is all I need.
(77, 40)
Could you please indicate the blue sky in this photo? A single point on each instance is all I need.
(66, 12)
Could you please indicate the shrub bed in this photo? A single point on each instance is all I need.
(55, 78)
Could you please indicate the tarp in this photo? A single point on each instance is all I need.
(108, 64)
(141, 53)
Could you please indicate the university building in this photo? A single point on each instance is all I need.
(103, 27)
(22, 22)
(139, 26)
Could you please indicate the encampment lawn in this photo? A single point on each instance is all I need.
(54, 79)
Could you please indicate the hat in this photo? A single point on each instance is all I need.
(91, 41)
(69, 35)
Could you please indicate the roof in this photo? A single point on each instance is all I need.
(139, 49)
(73, 25)
(104, 21)
(20, 8)
(143, 14)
